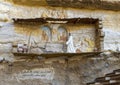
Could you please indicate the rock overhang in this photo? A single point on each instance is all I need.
(87, 4)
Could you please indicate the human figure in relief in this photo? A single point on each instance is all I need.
(70, 44)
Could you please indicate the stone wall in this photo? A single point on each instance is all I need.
(56, 71)
(78, 70)
(110, 19)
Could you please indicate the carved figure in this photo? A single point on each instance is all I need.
(25, 48)
(20, 48)
(62, 34)
(70, 45)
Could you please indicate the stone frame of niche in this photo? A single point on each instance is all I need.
(99, 34)
(99, 41)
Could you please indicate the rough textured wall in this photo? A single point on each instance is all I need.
(76, 71)
(110, 19)
(88, 4)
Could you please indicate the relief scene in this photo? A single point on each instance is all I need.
(59, 42)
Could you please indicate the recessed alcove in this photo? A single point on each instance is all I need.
(52, 33)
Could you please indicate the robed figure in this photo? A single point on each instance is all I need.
(70, 45)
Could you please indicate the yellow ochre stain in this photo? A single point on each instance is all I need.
(29, 2)
(90, 42)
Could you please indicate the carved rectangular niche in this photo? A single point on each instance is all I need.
(99, 34)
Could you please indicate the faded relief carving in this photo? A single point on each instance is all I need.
(54, 13)
(70, 45)
(41, 73)
(46, 34)
(62, 34)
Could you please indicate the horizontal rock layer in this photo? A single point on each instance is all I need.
(89, 4)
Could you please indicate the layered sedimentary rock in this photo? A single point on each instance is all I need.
(57, 71)
(89, 4)
(78, 70)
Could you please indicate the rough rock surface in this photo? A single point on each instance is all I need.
(110, 21)
(89, 4)
(78, 70)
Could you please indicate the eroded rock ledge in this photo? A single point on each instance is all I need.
(89, 4)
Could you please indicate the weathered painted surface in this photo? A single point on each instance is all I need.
(110, 21)
(58, 33)
(76, 71)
